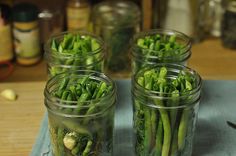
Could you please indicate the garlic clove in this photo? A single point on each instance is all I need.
(9, 94)
(69, 142)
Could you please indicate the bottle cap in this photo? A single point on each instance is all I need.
(25, 12)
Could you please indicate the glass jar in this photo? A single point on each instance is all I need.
(116, 22)
(142, 57)
(26, 33)
(228, 25)
(58, 62)
(75, 128)
(6, 45)
(78, 14)
(164, 120)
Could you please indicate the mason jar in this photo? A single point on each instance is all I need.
(142, 57)
(116, 22)
(58, 62)
(165, 120)
(82, 127)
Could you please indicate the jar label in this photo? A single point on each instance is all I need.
(26, 42)
(6, 48)
(77, 18)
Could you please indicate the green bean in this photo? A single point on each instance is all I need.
(76, 150)
(54, 45)
(76, 128)
(63, 84)
(167, 129)
(183, 129)
(174, 102)
(60, 136)
(148, 131)
(174, 144)
(87, 148)
(159, 139)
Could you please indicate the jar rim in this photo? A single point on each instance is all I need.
(186, 47)
(50, 52)
(57, 102)
(155, 94)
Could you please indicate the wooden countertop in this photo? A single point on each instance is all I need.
(20, 119)
(212, 61)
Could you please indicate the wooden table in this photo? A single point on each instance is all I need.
(20, 119)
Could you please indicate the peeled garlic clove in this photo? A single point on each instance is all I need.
(69, 141)
(9, 94)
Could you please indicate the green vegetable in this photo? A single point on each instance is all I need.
(161, 131)
(158, 48)
(75, 51)
(82, 136)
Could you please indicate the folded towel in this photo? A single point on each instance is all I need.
(213, 136)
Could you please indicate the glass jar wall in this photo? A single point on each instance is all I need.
(159, 46)
(116, 22)
(165, 103)
(74, 50)
(81, 107)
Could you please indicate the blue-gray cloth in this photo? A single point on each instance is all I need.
(213, 137)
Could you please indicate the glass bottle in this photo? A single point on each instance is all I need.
(6, 46)
(78, 14)
(26, 33)
(228, 25)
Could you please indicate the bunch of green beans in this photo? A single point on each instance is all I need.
(87, 134)
(161, 125)
(75, 51)
(159, 47)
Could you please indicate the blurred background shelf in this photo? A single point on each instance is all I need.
(209, 57)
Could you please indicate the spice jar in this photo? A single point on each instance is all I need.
(6, 46)
(159, 46)
(165, 99)
(81, 107)
(78, 14)
(76, 50)
(116, 22)
(26, 33)
(228, 25)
